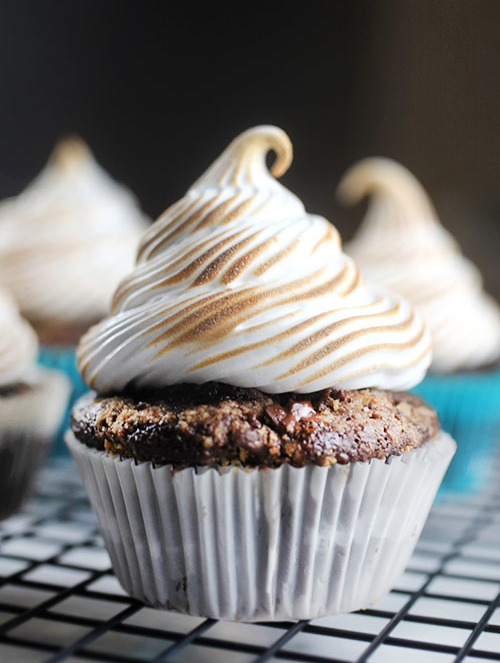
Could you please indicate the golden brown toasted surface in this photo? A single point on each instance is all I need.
(214, 423)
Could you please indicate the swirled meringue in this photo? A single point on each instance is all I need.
(18, 344)
(68, 239)
(402, 245)
(236, 282)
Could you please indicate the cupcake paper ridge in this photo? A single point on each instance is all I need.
(402, 245)
(237, 283)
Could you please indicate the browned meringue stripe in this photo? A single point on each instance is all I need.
(339, 343)
(307, 342)
(231, 310)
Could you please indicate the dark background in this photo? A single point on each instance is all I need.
(158, 89)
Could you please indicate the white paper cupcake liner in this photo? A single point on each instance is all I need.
(28, 421)
(266, 544)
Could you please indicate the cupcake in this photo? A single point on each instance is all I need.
(402, 245)
(65, 243)
(32, 400)
(247, 447)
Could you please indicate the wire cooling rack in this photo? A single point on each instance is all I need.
(59, 600)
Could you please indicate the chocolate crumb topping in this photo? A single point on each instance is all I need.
(188, 425)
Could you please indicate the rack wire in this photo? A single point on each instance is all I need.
(59, 600)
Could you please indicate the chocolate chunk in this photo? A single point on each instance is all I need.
(276, 413)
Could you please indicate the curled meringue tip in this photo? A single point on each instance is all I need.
(369, 175)
(259, 140)
(388, 178)
(70, 152)
(245, 158)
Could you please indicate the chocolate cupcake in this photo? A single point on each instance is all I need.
(32, 401)
(248, 450)
(402, 245)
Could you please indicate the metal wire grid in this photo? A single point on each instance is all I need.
(59, 600)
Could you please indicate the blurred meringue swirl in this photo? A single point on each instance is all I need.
(402, 245)
(68, 239)
(237, 283)
(18, 344)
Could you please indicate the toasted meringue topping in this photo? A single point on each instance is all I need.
(402, 245)
(18, 344)
(68, 239)
(236, 282)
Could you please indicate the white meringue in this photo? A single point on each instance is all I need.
(68, 239)
(236, 282)
(18, 344)
(402, 245)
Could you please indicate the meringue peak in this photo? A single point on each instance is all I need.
(238, 283)
(70, 154)
(245, 158)
(402, 245)
(391, 182)
(68, 239)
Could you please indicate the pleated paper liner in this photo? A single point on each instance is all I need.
(29, 420)
(262, 544)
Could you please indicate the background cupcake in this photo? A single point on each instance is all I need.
(402, 245)
(65, 243)
(242, 458)
(32, 400)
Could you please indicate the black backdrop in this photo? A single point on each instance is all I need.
(159, 88)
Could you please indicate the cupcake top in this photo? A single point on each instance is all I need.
(402, 245)
(237, 283)
(192, 425)
(68, 239)
(18, 344)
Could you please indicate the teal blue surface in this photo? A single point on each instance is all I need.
(468, 405)
(63, 358)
